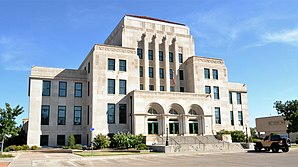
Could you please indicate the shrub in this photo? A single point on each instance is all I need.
(71, 140)
(25, 147)
(7, 149)
(77, 146)
(101, 141)
(223, 132)
(238, 136)
(18, 148)
(122, 140)
(141, 146)
(34, 148)
(12, 148)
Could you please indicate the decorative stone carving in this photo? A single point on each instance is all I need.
(114, 49)
(208, 60)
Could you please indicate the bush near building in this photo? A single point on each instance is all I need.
(238, 136)
(101, 141)
(126, 140)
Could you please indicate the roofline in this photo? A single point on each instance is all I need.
(154, 19)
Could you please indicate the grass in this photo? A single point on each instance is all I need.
(294, 146)
(105, 153)
(6, 156)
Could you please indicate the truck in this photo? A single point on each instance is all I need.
(274, 143)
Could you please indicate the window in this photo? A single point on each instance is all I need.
(78, 139)
(217, 115)
(61, 115)
(152, 126)
(174, 127)
(152, 111)
(45, 114)
(231, 97)
(172, 88)
(111, 86)
(88, 88)
(77, 115)
(88, 115)
(141, 71)
(78, 89)
(207, 90)
(111, 113)
(122, 87)
(239, 98)
(161, 73)
(111, 64)
(150, 72)
(171, 57)
(181, 77)
(215, 73)
(207, 73)
(46, 88)
(240, 118)
(150, 54)
(193, 128)
(44, 140)
(216, 92)
(140, 53)
(162, 88)
(160, 55)
(88, 67)
(171, 73)
(232, 118)
(122, 113)
(62, 89)
(151, 87)
(60, 140)
(122, 65)
(141, 87)
(181, 89)
(180, 58)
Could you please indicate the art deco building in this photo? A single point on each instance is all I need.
(144, 79)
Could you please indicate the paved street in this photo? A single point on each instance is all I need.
(242, 159)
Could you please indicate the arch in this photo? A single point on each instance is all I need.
(176, 107)
(154, 108)
(195, 110)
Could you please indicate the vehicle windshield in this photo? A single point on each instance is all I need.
(275, 138)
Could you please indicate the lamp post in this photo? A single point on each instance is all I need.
(167, 135)
(246, 133)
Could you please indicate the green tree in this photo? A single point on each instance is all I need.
(8, 122)
(289, 110)
(71, 141)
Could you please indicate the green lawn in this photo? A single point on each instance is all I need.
(6, 156)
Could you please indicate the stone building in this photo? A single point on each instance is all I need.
(145, 79)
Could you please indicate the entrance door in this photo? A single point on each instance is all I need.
(174, 127)
(152, 127)
(193, 128)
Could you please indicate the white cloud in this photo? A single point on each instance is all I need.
(287, 37)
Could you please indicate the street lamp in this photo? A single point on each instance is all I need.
(167, 135)
(246, 133)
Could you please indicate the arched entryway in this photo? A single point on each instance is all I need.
(195, 120)
(155, 119)
(176, 119)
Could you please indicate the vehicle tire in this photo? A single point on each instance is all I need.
(286, 149)
(258, 147)
(267, 149)
(275, 148)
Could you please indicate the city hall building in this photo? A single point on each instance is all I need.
(145, 79)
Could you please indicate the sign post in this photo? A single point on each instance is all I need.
(91, 130)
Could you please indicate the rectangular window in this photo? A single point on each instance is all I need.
(151, 87)
(232, 118)
(46, 88)
(141, 87)
(217, 115)
(207, 90)
(171, 57)
(172, 88)
(150, 54)
(89, 67)
(111, 113)
(122, 113)
(61, 115)
(44, 140)
(111, 64)
(45, 114)
(88, 88)
(152, 127)
(171, 73)
(215, 73)
(111, 86)
(180, 58)
(60, 140)
(78, 89)
(181, 75)
(231, 97)
(122, 65)
(140, 53)
(88, 115)
(160, 55)
(122, 87)
(162, 88)
(77, 115)
(240, 118)
(141, 71)
(161, 73)
(62, 89)
(78, 139)
(193, 128)
(216, 92)
(207, 73)
(239, 101)
(150, 72)
(181, 89)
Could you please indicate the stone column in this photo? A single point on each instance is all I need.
(167, 64)
(156, 63)
(145, 62)
(176, 66)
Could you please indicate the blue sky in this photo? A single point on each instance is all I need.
(258, 40)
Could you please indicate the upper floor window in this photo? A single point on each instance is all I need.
(88, 88)
(122, 65)
(160, 55)
(89, 67)
(171, 57)
(140, 53)
(207, 73)
(62, 89)
(150, 72)
(151, 87)
(161, 73)
(45, 114)
(232, 118)
(111, 113)
(239, 101)
(231, 97)
(215, 73)
(216, 92)
(172, 88)
(111, 64)
(141, 71)
(181, 77)
(122, 87)
(180, 58)
(122, 113)
(111, 86)
(162, 88)
(152, 111)
(46, 88)
(217, 115)
(77, 115)
(141, 87)
(207, 89)
(171, 74)
(240, 118)
(78, 89)
(61, 115)
(150, 54)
